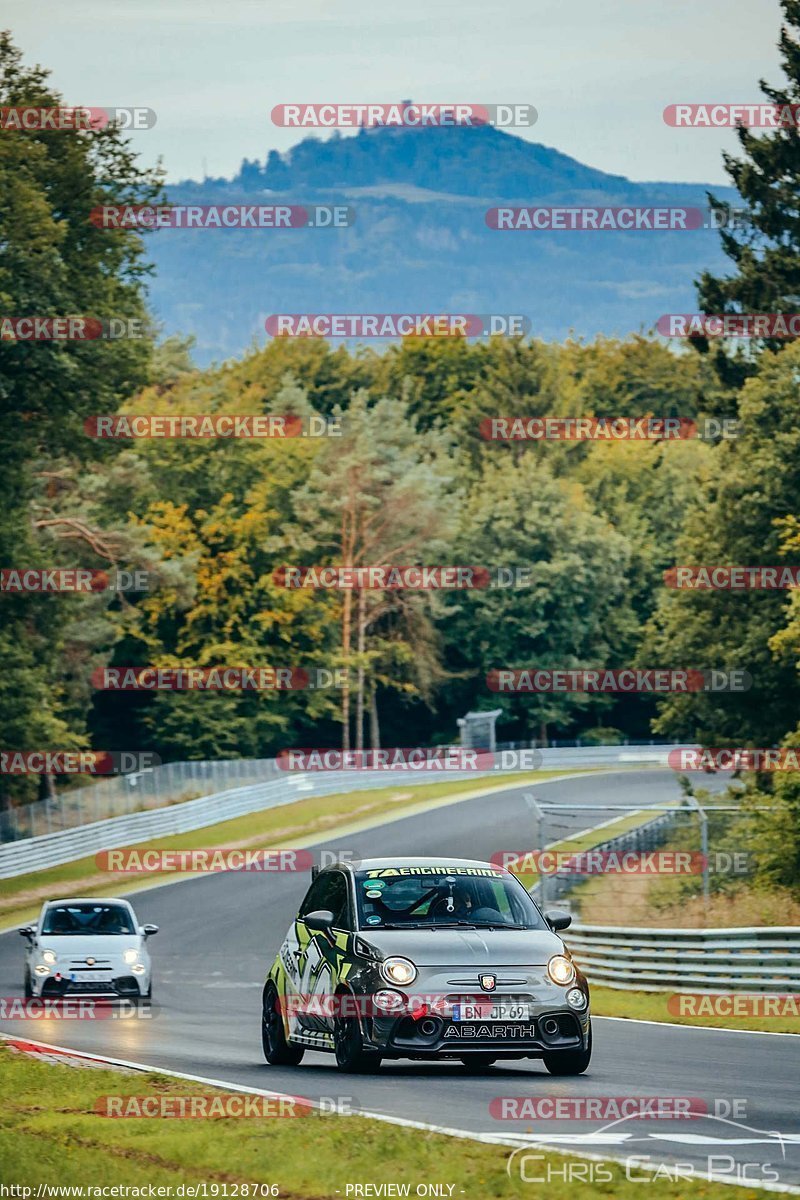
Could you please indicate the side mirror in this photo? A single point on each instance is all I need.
(557, 919)
(149, 930)
(28, 931)
(320, 921)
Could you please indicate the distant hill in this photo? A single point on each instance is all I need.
(420, 242)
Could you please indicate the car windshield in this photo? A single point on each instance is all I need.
(64, 920)
(438, 897)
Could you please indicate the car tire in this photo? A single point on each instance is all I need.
(27, 986)
(478, 1062)
(569, 1062)
(277, 1051)
(351, 1057)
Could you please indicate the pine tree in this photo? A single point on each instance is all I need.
(764, 242)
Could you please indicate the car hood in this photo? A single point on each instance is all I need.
(467, 947)
(95, 946)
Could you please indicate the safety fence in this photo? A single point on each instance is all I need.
(280, 787)
(648, 836)
(177, 782)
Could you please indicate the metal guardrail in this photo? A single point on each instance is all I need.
(53, 849)
(701, 960)
(119, 795)
(171, 783)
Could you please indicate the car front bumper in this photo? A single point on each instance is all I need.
(440, 1037)
(121, 984)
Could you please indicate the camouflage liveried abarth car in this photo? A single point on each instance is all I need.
(425, 958)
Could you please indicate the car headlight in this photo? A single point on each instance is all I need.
(561, 970)
(49, 956)
(398, 970)
(42, 970)
(576, 998)
(130, 956)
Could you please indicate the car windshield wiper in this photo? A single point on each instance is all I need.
(504, 926)
(473, 925)
(397, 925)
(456, 925)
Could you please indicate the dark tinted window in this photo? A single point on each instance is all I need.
(63, 920)
(329, 890)
(487, 899)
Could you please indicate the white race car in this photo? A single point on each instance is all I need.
(89, 947)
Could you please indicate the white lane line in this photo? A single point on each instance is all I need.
(405, 1122)
(705, 1028)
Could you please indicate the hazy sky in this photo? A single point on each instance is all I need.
(599, 71)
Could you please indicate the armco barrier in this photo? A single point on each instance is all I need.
(694, 960)
(52, 849)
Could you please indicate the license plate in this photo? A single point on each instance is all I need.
(92, 976)
(506, 1010)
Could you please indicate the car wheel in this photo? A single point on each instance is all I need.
(27, 986)
(349, 1047)
(569, 1062)
(478, 1062)
(277, 1051)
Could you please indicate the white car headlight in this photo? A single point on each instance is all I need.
(398, 970)
(130, 956)
(561, 970)
(49, 956)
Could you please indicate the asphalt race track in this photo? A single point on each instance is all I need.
(219, 934)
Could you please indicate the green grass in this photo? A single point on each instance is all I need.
(652, 1006)
(50, 1134)
(287, 826)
